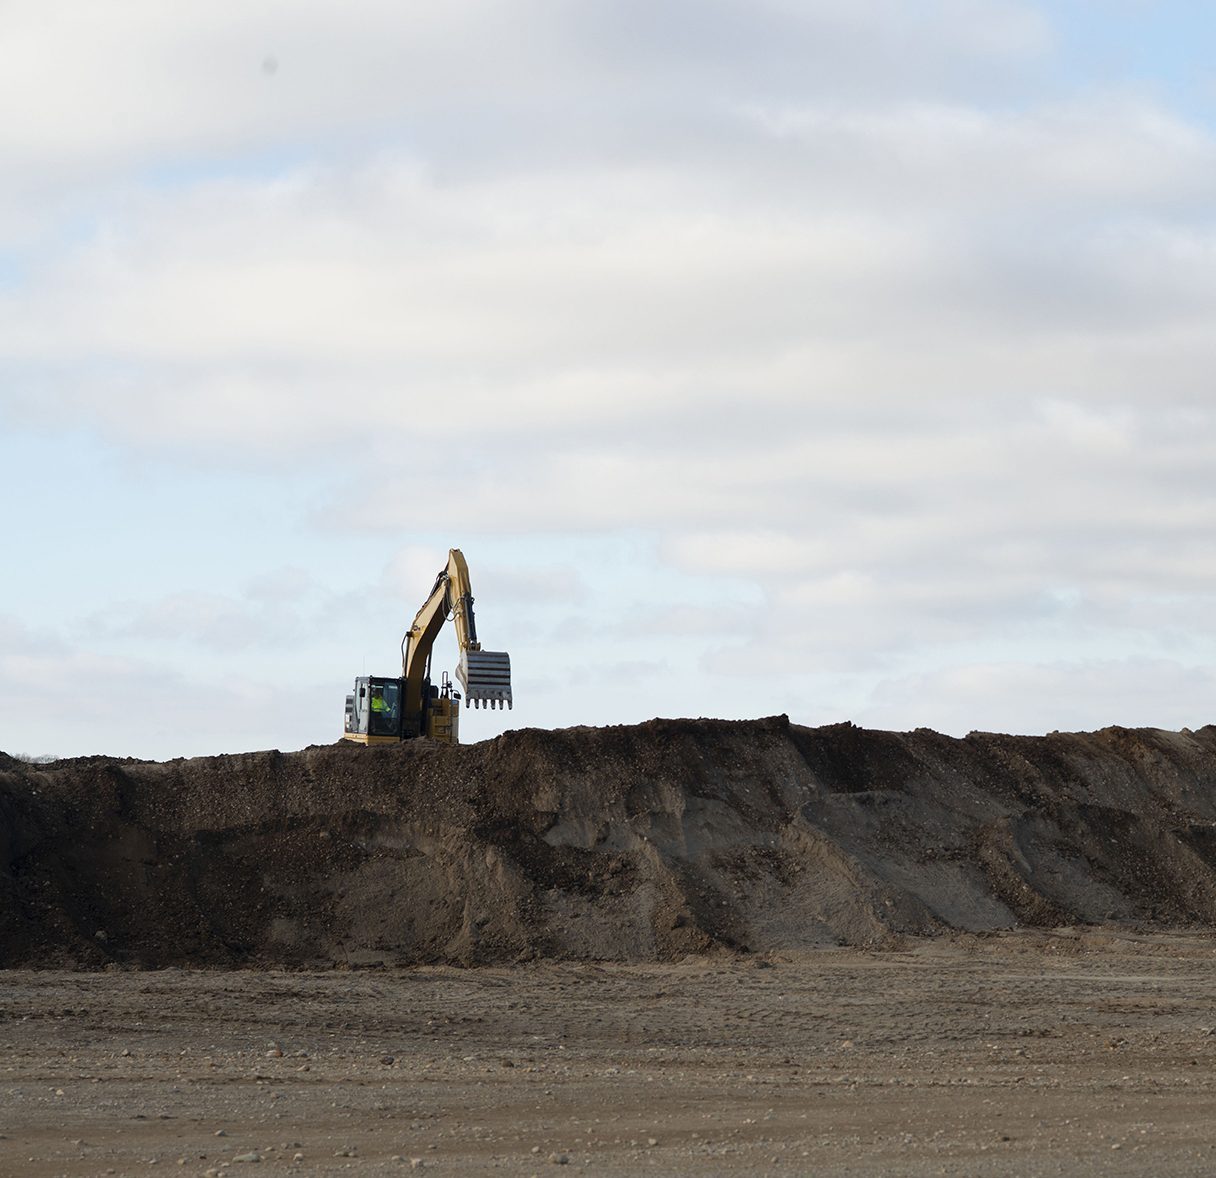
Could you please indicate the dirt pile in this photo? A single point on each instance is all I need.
(640, 842)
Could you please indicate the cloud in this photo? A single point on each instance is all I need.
(555, 303)
(140, 82)
(213, 620)
(1033, 698)
(892, 353)
(76, 697)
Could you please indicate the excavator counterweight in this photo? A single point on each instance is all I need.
(385, 710)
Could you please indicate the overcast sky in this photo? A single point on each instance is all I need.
(846, 358)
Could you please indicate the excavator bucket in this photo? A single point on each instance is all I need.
(485, 676)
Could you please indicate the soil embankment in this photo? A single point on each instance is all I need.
(629, 843)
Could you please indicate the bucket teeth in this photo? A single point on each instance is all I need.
(485, 676)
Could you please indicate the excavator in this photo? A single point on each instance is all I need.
(384, 710)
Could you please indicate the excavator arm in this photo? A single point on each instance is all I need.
(484, 675)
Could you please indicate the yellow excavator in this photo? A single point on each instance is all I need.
(384, 711)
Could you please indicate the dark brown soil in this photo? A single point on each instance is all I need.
(631, 843)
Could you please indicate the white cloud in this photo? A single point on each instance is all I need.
(214, 620)
(95, 94)
(1063, 696)
(123, 695)
(826, 300)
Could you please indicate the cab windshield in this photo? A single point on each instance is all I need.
(385, 707)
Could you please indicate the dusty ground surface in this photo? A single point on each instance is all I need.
(1052, 1052)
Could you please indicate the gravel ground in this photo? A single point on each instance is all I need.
(1068, 1052)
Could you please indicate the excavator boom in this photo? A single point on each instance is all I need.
(485, 675)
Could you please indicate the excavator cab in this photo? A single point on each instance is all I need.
(373, 710)
(375, 713)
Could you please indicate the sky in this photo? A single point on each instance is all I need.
(851, 359)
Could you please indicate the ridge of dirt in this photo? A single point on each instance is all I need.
(634, 843)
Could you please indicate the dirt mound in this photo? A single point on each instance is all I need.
(641, 842)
